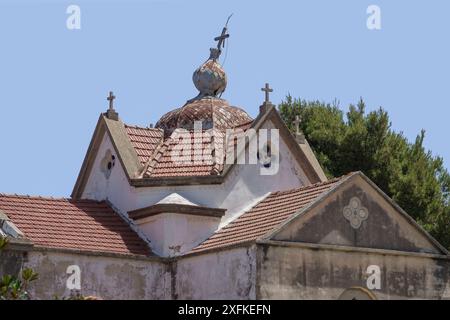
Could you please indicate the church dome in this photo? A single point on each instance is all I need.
(213, 112)
(210, 80)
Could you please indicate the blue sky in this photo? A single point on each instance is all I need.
(54, 81)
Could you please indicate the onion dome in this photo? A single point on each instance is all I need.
(214, 113)
(210, 78)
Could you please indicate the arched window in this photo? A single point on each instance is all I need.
(357, 293)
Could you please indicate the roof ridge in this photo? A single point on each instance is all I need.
(48, 198)
(139, 127)
(37, 197)
(244, 123)
(315, 185)
(159, 151)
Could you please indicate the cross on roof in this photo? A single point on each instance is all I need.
(111, 98)
(223, 36)
(297, 122)
(111, 113)
(267, 90)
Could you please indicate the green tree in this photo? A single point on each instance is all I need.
(360, 141)
(15, 288)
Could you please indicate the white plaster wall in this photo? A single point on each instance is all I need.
(172, 234)
(229, 274)
(98, 187)
(242, 189)
(104, 277)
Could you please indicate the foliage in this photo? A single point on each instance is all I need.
(76, 295)
(3, 242)
(15, 288)
(360, 141)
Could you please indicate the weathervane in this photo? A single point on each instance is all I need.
(215, 52)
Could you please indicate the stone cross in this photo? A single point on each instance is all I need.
(297, 122)
(111, 98)
(267, 90)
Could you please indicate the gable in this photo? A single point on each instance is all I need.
(378, 222)
(121, 145)
(302, 155)
(145, 155)
(103, 182)
(266, 216)
(302, 151)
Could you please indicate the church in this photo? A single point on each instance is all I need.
(210, 203)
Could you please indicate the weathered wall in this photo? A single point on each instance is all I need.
(296, 271)
(385, 227)
(105, 277)
(11, 262)
(172, 234)
(229, 274)
(278, 270)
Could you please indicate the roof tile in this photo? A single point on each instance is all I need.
(155, 151)
(144, 141)
(72, 224)
(268, 214)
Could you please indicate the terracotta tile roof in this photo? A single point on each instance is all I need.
(245, 126)
(72, 224)
(144, 140)
(197, 163)
(155, 146)
(155, 152)
(273, 210)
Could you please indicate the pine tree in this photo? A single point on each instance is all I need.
(360, 141)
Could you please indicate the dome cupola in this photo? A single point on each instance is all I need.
(210, 80)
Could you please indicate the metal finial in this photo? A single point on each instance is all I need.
(215, 53)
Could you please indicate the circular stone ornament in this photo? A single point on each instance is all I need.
(355, 213)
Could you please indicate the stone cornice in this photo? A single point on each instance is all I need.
(176, 208)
